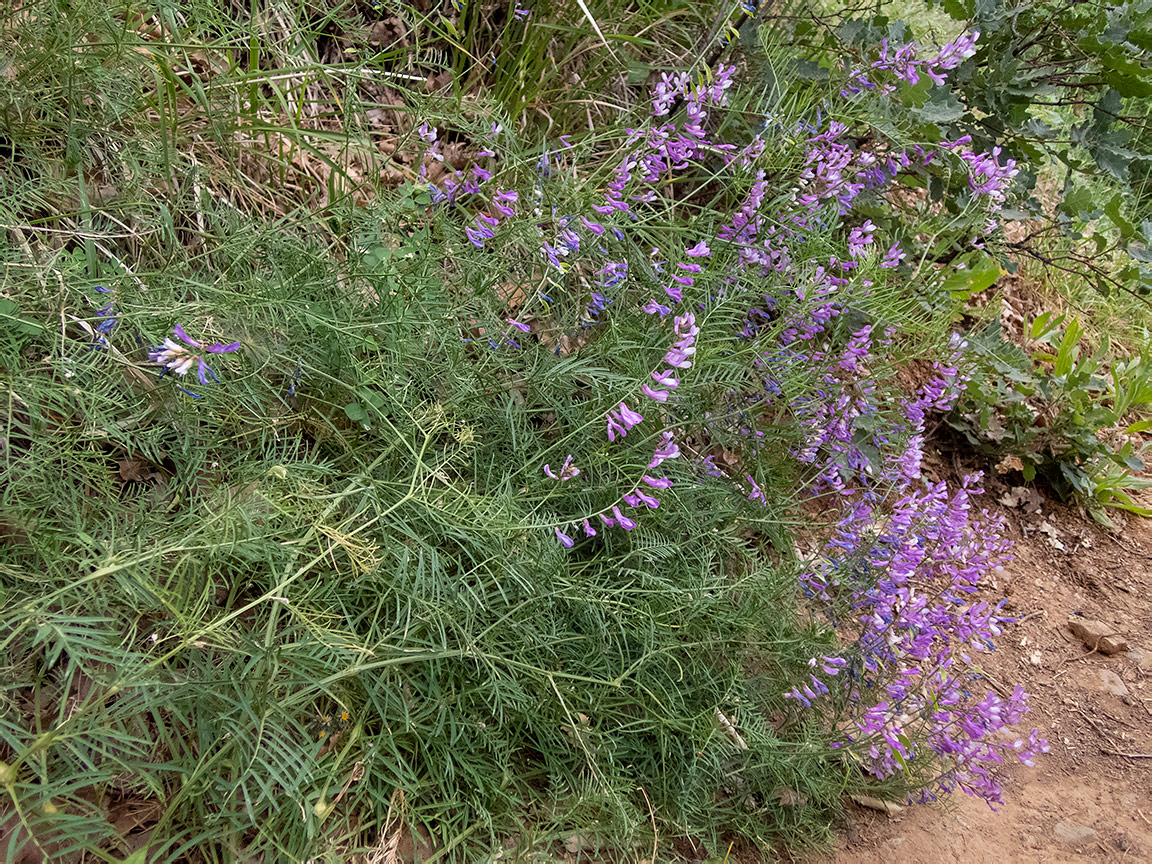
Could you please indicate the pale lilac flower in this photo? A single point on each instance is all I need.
(678, 358)
(757, 494)
(964, 139)
(520, 14)
(520, 326)
(667, 91)
(629, 417)
(700, 250)
(957, 51)
(860, 239)
(565, 539)
(667, 378)
(589, 531)
(832, 665)
(988, 177)
(657, 482)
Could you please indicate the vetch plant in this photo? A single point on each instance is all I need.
(511, 484)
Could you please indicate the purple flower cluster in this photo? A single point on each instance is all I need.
(172, 356)
(109, 317)
(903, 64)
(908, 580)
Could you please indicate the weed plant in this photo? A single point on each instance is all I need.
(460, 505)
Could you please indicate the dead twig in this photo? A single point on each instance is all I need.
(1126, 755)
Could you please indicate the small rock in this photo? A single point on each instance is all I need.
(1071, 832)
(1096, 634)
(1112, 683)
(1140, 657)
(1036, 658)
(1053, 536)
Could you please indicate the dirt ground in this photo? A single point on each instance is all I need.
(1090, 799)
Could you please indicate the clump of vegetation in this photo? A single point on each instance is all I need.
(390, 457)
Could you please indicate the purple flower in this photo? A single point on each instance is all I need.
(520, 326)
(832, 665)
(520, 14)
(957, 51)
(595, 227)
(642, 497)
(700, 250)
(656, 395)
(757, 494)
(654, 308)
(176, 358)
(565, 539)
(589, 531)
(502, 200)
(667, 378)
(657, 482)
(630, 417)
(674, 292)
(109, 318)
(622, 419)
(892, 257)
(667, 450)
(622, 520)
(860, 239)
(567, 470)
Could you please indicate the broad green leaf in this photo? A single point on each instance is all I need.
(941, 107)
(1113, 211)
(979, 273)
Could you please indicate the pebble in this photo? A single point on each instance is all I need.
(1071, 832)
(1112, 683)
(1140, 657)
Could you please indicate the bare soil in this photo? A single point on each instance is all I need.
(1090, 799)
